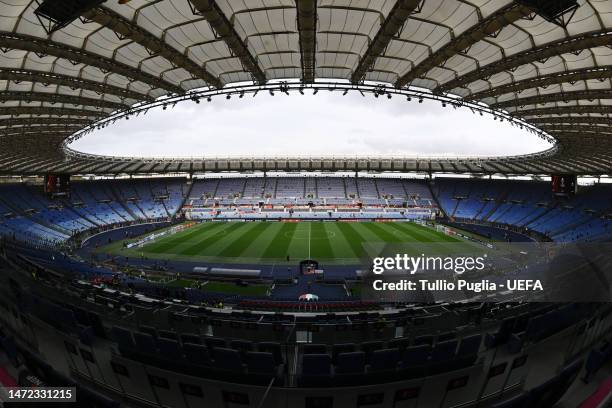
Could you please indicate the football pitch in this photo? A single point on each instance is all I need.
(283, 242)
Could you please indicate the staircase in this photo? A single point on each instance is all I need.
(435, 197)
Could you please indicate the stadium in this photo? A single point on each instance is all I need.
(298, 280)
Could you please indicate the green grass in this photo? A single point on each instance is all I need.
(223, 287)
(272, 242)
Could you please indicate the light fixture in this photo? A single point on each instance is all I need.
(271, 92)
(228, 96)
(209, 99)
(315, 91)
(301, 91)
(345, 92)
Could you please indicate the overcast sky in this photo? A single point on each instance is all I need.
(295, 125)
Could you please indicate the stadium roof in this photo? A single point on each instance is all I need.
(65, 65)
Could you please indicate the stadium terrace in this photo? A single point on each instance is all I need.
(245, 282)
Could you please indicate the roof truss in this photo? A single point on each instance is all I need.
(486, 27)
(41, 46)
(571, 77)
(307, 28)
(50, 78)
(43, 121)
(541, 53)
(555, 97)
(51, 111)
(599, 120)
(225, 30)
(59, 98)
(390, 27)
(126, 29)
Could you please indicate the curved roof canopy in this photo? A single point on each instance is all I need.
(65, 65)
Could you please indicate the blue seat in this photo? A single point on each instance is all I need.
(242, 345)
(385, 360)
(123, 337)
(214, 342)
(167, 335)
(444, 351)
(260, 362)
(271, 347)
(196, 354)
(418, 341)
(519, 401)
(470, 345)
(337, 349)
(145, 343)
(416, 356)
(169, 349)
(314, 349)
(351, 363)
(191, 338)
(227, 359)
(316, 364)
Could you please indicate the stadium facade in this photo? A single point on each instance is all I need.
(239, 282)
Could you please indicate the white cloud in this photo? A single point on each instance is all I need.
(296, 125)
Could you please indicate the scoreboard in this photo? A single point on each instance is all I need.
(57, 184)
(564, 185)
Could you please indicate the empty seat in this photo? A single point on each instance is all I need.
(314, 349)
(145, 343)
(400, 344)
(241, 345)
(337, 349)
(384, 360)
(148, 330)
(169, 349)
(271, 347)
(444, 351)
(316, 364)
(191, 338)
(416, 356)
(167, 334)
(370, 346)
(470, 345)
(351, 363)
(123, 337)
(196, 354)
(213, 342)
(227, 359)
(446, 336)
(423, 340)
(260, 362)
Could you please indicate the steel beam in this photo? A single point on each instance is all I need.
(555, 97)
(59, 98)
(486, 27)
(541, 53)
(42, 46)
(50, 78)
(127, 29)
(564, 110)
(601, 73)
(307, 29)
(598, 120)
(396, 19)
(43, 121)
(225, 30)
(52, 111)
